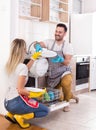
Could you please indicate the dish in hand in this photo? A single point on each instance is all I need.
(48, 53)
(34, 89)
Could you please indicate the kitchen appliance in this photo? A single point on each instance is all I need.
(82, 69)
(39, 69)
(82, 72)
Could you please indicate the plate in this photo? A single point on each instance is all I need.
(34, 89)
(47, 53)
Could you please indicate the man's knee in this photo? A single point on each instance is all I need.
(66, 80)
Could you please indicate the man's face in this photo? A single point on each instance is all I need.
(59, 33)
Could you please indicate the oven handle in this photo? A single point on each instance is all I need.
(84, 64)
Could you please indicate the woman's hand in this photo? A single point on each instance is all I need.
(36, 55)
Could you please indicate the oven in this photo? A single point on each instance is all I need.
(82, 72)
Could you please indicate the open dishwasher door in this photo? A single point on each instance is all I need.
(53, 102)
(58, 105)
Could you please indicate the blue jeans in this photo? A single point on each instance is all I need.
(18, 106)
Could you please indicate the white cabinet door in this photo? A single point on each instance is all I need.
(93, 74)
(83, 33)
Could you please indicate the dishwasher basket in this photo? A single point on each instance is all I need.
(51, 95)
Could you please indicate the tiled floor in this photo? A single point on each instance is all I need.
(82, 116)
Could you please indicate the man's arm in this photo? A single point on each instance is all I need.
(67, 59)
(42, 44)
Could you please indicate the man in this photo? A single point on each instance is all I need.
(59, 72)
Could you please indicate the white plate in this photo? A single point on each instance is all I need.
(48, 53)
(34, 89)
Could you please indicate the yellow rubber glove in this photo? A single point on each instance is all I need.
(37, 94)
(36, 55)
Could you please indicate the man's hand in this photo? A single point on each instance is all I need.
(38, 47)
(57, 59)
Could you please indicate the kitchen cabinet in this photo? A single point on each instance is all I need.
(83, 33)
(44, 10)
(55, 10)
(29, 9)
(93, 73)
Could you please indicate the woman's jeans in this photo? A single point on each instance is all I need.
(18, 106)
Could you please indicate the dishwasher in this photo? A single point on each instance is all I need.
(39, 69)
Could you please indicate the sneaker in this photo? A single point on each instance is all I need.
(66, 109)
(77, 99)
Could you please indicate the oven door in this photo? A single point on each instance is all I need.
(82, 72)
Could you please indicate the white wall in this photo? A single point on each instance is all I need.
(89, 6)
(36, 30)
(33, 30)
(14, 19)
(8, 31)
(4, 46)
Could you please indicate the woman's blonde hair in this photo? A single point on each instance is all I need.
(16, 56)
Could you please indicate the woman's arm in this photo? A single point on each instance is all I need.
(30, 63)
(21, 86)
(35, 56)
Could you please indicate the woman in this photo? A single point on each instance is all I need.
(17, 101)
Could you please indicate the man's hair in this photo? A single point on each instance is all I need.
(62, 25)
